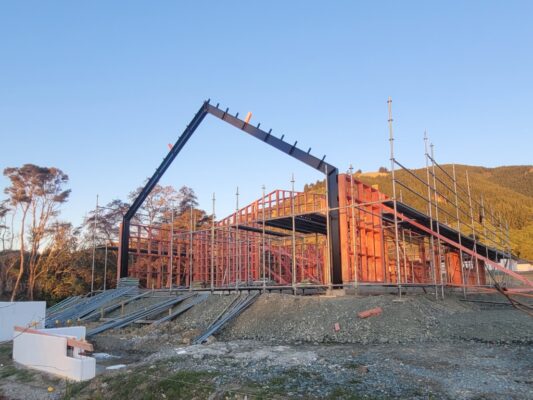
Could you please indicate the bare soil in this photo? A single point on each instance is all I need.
(286, 347)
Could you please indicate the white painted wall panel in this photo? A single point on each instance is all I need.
(49, 353)
(20, 313)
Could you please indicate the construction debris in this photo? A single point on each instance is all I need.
(370, 313)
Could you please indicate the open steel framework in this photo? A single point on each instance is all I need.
(351, 235)
(329, 170)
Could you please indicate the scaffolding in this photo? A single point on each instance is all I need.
(431, 233)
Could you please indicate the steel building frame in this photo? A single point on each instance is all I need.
(306, 157)
(352, 235)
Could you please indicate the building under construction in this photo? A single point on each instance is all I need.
(350, 235)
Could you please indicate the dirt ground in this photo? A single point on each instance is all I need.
(287, 347)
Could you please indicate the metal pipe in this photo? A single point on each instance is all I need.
(328, 247)
(482, 216)
(171, 277)
(213, 216)
(105, 267)
(293, 217)
(459, 230)
(441, 272)
(391, 140)
(190, 250)
(430, 214)
(237, 245)
(263, 239)
(475, 263)
(94, 244)
(354, 228)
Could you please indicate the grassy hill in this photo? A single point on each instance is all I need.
(507, 193)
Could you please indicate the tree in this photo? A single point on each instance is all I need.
(8, 261)
(160, 200)
(63, 261)
(107, 221)
(21, 193)
(4, 229)
(187, 200)
(383, 170)
(38, 192)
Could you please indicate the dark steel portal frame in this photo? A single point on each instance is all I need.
(304, 156)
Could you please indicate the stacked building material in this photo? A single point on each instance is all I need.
(182, 308)
(120, 303)
(240, 304)
(81, 308)
(143, 314)
(128, 282)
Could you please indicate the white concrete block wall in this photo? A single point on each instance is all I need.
(20, 313)
(49, 353)
(73, 331)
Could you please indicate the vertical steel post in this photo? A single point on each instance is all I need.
(482, 216)
(105, 267)
(354, 228)
(404, 257)
(213, 216)
(94, 245)
(294, 265)
(500, 239)
(442, 273)
(328, 247)
(403, 248)
(227, 270)
(412, 257)
(263, 261)
(509, 248)
(171, 258)
(430, 214)
(475, 264)
(237, 244)
(457, 215)
(247, 249)
(394, 199)
(190, 251)
(508, 237)
(269, 260)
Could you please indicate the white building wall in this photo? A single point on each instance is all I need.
(20, 313)
(49, 353)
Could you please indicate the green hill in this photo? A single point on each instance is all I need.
(506, 192)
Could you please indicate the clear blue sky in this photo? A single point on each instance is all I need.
(99, 88)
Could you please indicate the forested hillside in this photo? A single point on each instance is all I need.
(506, 192)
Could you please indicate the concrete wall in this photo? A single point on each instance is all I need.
(49, 353)
(20, 313)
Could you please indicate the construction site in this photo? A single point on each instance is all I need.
(352, 236)
(347, 293)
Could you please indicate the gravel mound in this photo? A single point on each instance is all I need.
(417, 318)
